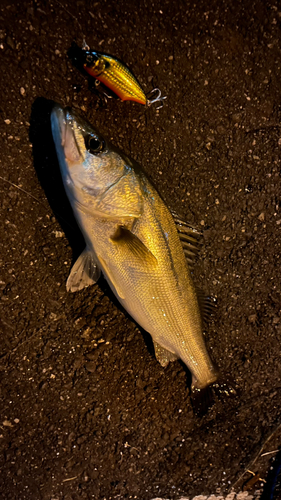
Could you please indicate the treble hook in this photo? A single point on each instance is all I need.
(157, 98)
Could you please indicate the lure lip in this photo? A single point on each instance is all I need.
(77, 55)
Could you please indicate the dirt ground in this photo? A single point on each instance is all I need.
(86, 411)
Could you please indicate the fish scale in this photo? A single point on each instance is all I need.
(174, 318)
(132, 238)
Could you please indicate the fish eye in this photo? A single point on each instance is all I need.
(93, 144)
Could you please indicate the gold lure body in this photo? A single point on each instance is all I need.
(116, 76)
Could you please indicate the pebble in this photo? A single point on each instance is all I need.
(7, 423)
(22, 91)
(242, 495)
(10, 42)
(252, 318)
(91, 367)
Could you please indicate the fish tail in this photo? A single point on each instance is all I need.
(204, 397)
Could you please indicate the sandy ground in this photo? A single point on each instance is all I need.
(86, 412)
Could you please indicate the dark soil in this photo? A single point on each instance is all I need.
(86, 411)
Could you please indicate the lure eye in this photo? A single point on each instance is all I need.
(89, 59)
(93, 144)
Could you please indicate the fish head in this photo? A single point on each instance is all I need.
(89, 164)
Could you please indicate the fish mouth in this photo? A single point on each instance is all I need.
(63, 120)
(59, 121)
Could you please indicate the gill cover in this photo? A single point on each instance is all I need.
(98, 179)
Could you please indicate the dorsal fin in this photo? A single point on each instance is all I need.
(191, 239)
(207, 305)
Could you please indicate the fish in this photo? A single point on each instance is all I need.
(132, 238)
(114, 75)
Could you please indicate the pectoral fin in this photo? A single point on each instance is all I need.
(133, 249)
(163, 355)
(85, 272)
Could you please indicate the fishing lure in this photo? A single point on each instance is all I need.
(111, 72)
(115, 75)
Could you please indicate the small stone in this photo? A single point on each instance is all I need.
(59, 234)
(252, 318)
(91, 367)
(221, 129)
(261, 217)
(22, 91)
(10, 42)
(7, 423)
(7, 121)
(236, 117)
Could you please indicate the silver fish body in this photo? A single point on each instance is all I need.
(132, 238)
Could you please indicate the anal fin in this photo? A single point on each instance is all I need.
(85, 272)
(163, 355)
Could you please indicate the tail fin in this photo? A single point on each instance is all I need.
(203, 398)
